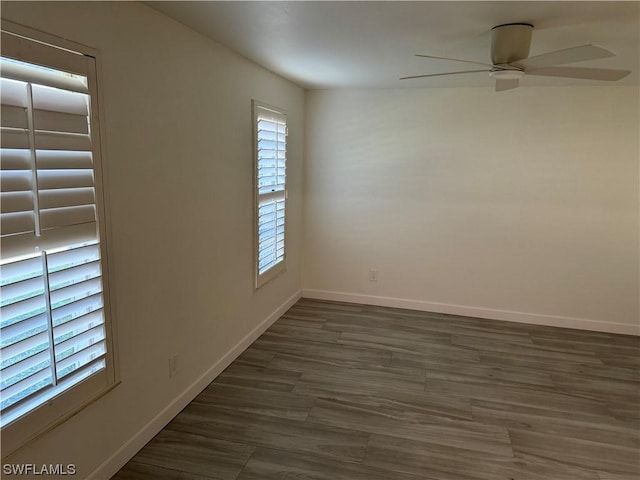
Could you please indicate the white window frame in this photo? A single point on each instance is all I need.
(38, 47)
(260, 109)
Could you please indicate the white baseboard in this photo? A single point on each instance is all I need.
(492, 314)
(116, 461)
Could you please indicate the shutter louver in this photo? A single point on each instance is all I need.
(76, 306)
(271, 187)
(63, 157)
(271, 155)
(25, 358)
(16, 199)
(52, 321)
(271, 234)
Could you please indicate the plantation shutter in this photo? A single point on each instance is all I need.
(52, 322)
(271, 190)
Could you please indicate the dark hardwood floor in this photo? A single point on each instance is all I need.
(339, 391)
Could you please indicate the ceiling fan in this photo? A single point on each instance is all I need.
(511, 62)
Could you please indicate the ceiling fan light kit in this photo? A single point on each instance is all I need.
(507, 74)
(510, 45)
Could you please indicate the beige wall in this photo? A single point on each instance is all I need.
(521, 205)
(178, 135)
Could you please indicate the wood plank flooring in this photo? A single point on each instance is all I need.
(340, 391)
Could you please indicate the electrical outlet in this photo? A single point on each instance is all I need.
(373, 275)
(173, 365)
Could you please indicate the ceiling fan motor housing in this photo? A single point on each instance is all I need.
(510, 42)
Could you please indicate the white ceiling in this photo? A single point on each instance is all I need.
(320, 44)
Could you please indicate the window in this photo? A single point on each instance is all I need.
(271, 191)
(55, 352)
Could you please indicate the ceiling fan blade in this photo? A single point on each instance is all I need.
(607, 74)
(562, 57)
(442, 74)
(455, 60)
(502, 85)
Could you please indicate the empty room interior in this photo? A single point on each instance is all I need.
(320, 240)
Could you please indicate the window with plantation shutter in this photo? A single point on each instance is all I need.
(54, 331)
(271, 191)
